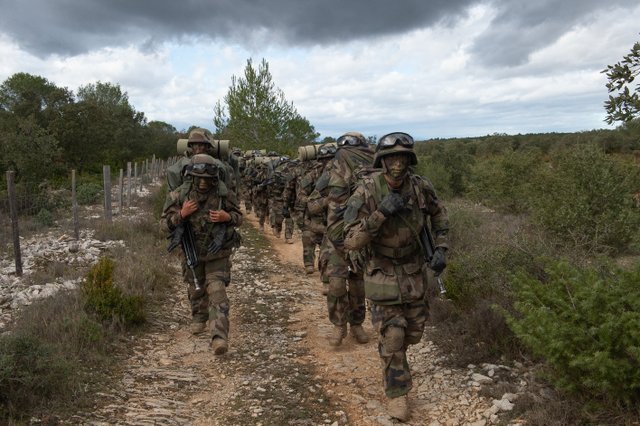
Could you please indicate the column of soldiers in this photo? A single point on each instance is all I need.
(375, 225)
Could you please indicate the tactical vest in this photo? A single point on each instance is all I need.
(203, 229)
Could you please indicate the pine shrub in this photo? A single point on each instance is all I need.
(108, 301)
(586, 324)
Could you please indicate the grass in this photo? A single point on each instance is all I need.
(57, 353)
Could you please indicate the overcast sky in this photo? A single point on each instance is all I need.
(433, 68)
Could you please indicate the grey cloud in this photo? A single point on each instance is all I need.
(522, 27)
(69, 27)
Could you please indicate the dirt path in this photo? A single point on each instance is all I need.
(278, 370)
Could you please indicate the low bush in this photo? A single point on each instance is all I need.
(88, 193)
(45, 218)
(107, 301)
(585, 323)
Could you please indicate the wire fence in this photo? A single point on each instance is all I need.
(24, 207)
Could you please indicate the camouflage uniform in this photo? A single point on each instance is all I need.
(394, 269)
(210, 302)
(313, 225)
(280, 177)
(261, 192)
(345, 299)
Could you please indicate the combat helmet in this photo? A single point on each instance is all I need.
(352, 139)
(199, 135)
(327, 150)
(203, 165)
(394, 143)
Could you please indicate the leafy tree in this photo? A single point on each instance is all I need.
(256, 114)
(626, 104)
(23, 95)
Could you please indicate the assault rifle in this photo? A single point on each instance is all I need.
(183, 235)
(427, 242)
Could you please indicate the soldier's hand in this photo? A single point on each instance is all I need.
(439, 259)
(188, 208)
(219, 216)
(391, 204)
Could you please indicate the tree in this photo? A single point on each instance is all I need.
(625, 106)
(255, 113)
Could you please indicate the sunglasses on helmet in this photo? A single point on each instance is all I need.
(330, 149)
(392, 139)
(348, 140)
(209, 169)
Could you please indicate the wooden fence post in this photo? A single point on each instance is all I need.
(121, 193)
(74, 205)
(135, 177)
(13, 212)
(129, 184)
(106, 174)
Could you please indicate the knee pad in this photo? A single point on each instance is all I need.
(393, 339)
(337, 286)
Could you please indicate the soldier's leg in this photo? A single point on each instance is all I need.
(323, 262)
(288, 229)
(308, 250)
(391, 325)
(357, 302)
(218, 278)
(337, 296)
(198, 299)
(357, 307)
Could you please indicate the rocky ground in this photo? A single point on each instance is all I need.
(279, 370)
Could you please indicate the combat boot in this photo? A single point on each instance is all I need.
(309, 269)
(398, 408)
(219, 345)
(359, 334)
(288, 240)
(337, 334)
(198, 327)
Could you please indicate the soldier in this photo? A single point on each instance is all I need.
(314, 223)
(211, 209)
(345, 298)
(279, 213)
(383, 221)
(261, 190)
(198, 143)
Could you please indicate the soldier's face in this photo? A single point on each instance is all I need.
(198, 148)
(204, 184)
(397, 165)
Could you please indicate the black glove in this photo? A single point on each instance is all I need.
(439, 260)
(285, 212)
(391, 204)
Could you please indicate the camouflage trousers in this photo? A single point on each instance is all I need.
(210, 303)
(345, 298)
(310, 240)
(398, 326)
(276, 219)
(261, 205)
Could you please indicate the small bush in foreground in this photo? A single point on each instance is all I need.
(30, 370)
(106, 300)
(586, 324)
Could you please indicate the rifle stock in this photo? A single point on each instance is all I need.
(183, 235)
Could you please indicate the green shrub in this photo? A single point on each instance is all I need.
(31, 371)
(586, 324)
(106, 300)
(586, 199)
(44, 217)
(504, 182)
(88, 193)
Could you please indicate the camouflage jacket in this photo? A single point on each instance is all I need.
(391, 251)
(342, 182)
(220, 198)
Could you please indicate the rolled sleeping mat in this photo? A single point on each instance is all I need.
(221, 148)
(182, 146)
(307, 152)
